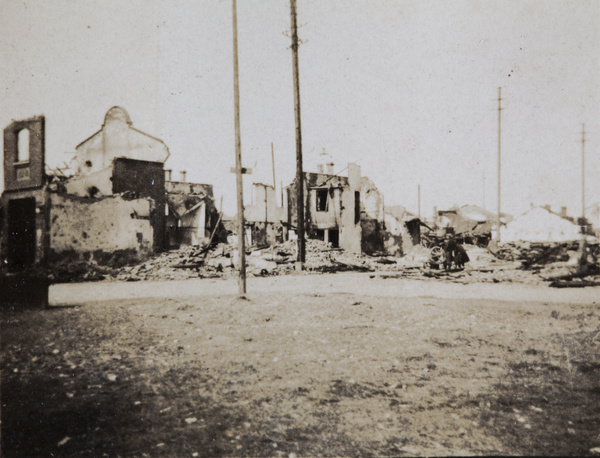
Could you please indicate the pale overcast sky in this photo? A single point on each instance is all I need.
(406, 89)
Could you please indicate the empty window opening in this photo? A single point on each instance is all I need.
(88, 163)
(356, 207)
(322, 200)
(23, 145)
(318, 234)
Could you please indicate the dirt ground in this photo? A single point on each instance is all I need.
(340, 365)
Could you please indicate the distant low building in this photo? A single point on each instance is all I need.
(540, 224)
(592, 214)
(470, 222)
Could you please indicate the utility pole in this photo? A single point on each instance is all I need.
(483, 190)
(299, 172)
(273, 162)
(583, 172)
(238, 160)
(499, 154)
(419, 199)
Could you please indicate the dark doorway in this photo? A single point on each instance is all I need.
(21, 233)
(334, 238)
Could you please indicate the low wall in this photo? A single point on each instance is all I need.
(82, 226)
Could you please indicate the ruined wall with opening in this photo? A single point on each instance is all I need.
(23, 204)
(24, 161)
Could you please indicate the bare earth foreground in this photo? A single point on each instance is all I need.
(305, 365)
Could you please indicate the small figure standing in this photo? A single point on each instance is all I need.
(460, 257)
(449, 252)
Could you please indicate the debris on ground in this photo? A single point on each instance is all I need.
(527, 263)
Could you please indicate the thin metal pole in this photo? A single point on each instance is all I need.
(299, 172)
(483, 191)
(499, 155)
(419, 199)
(273, 162)
(238, 160)
(583, 171)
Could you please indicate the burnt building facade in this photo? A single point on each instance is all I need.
(345, 211)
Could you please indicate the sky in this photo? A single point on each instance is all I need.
(407, 89)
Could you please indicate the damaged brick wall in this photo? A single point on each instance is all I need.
(23, 204)
(24, 161)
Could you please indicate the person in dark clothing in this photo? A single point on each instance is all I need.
(460, 256)
(449, 252)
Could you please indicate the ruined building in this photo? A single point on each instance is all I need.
(191, 213)
(112, 210)
(25, 202)
(266, 222)
(347, 211)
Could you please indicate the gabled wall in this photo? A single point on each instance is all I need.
(118, 138)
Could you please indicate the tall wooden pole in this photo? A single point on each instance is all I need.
(499, 155)
(273, 162)
(299, 172)
(238, 160)
(583, 171)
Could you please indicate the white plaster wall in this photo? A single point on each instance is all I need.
(350, 233)
(256, 211)
(194, 226)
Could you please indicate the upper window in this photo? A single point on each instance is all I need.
(23, 145)
(322, 200)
